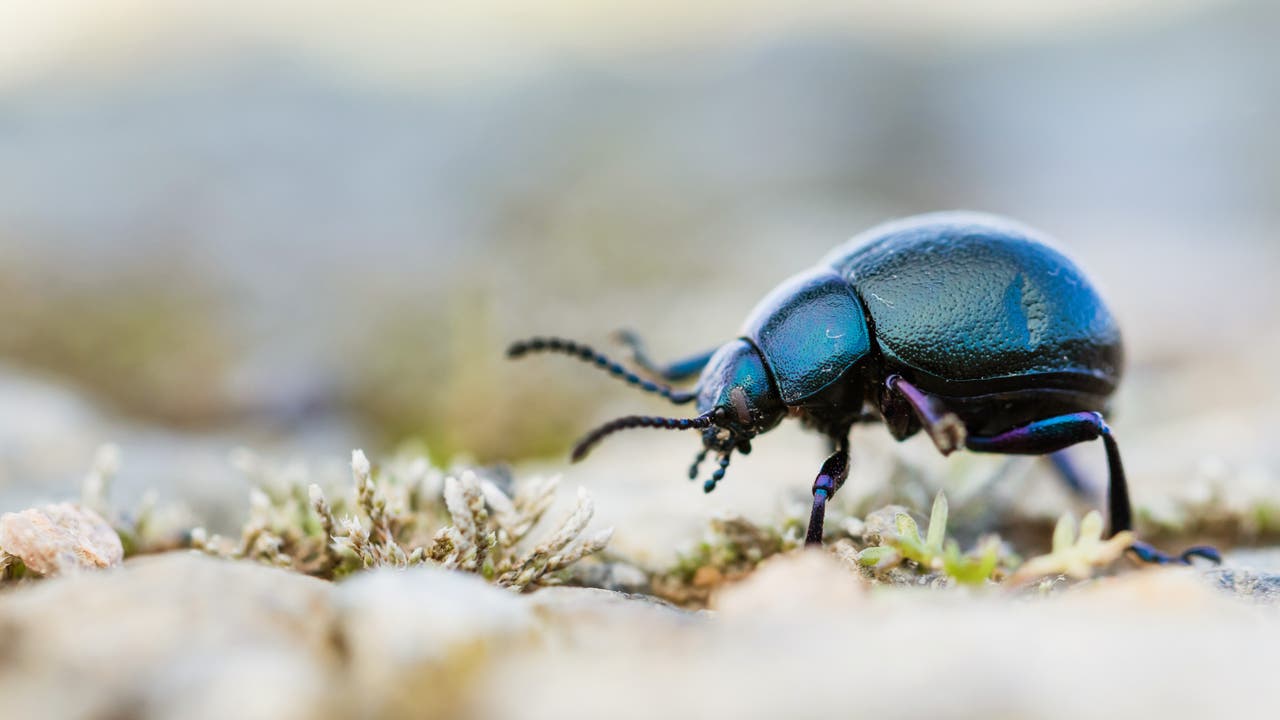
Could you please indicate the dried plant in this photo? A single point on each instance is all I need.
(148, 528)
(409, 514)
(1076, 557)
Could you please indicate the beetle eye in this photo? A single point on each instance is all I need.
(738, 399)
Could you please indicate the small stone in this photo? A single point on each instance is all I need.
(60, 538)
(1251, 585)
(707, 576)
(1251, 574)
(616, 576)
(882, 523)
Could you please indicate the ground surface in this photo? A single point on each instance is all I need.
(185, 635)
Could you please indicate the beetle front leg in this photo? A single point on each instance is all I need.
(675, 371)
(1058, 433)
(835, 470)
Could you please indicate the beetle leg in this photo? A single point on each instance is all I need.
(1057, 433)
(943, 426)
(1071, 475)
(832, 475)
(677, 371)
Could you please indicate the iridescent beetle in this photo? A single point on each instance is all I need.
(967, 326)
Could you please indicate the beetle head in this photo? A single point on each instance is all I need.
(736, 397)
(736, 392)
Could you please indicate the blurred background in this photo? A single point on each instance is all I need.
(308, 226)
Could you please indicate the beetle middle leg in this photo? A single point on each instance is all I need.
(1071, 476)
(832, 475)
(942, 426)
(1057, 433)
(675, 371)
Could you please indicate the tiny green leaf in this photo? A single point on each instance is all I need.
(878, 557)
(937, 523)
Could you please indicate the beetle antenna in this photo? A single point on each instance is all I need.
(586, 354)
(636, 421)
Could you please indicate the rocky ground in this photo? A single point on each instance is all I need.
(186, 635)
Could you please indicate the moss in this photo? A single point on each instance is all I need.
(409, 513)
(734, 546)
(888, 547)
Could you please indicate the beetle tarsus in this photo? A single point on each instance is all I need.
(1149, 554)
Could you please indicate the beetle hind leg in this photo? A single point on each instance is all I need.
(1057, 433)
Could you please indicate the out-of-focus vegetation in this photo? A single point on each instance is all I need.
(154, 345)
(438, 373)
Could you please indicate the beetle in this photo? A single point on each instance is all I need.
(969, 327)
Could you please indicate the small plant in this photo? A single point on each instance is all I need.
(1075, 556)
(410, 515)
(934, 552)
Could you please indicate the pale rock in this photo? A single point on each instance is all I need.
(55, 539)
(417, 640)
(808, 582)
(179, 635)
(582, 617)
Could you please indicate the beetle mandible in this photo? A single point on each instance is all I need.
(970, 327)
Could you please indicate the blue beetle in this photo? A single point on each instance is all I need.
(966, 326)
